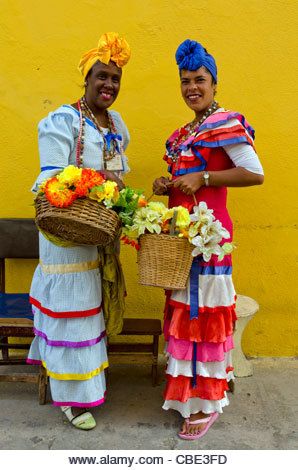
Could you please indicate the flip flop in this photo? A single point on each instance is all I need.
(192, 437)
(84, 420)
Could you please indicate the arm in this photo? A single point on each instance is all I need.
(55, 142)
(247, 172)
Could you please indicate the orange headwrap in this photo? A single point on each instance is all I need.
(110, 47)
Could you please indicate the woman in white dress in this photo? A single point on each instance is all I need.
(66, 294)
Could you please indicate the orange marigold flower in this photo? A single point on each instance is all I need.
(82, 189)
(58, 194)
(142, 202)
(89, 179)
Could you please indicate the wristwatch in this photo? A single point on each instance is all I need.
(206, 177)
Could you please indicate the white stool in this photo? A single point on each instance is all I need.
(246, 307)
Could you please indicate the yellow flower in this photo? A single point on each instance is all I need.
(97, 194)
(158, 207)
(110, 189)
(183, 217)
(70, 175)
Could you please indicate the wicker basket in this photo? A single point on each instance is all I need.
(84, 222)
(164, 261)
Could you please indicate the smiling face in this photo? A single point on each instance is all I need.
(198, 89)
(103, 85)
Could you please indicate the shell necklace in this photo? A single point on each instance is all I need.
(110, 147)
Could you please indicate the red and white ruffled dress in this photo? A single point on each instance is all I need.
(199, 320)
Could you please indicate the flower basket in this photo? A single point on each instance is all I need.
(84, 222)
(164, 261)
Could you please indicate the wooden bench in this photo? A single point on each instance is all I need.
(18, 239)
(137, 352)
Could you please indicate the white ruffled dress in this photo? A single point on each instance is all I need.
(66, 287)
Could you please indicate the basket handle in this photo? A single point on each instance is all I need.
(173, 223)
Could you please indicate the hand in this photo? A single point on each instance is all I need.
(190, 183)
(109, 175)
(161, 185)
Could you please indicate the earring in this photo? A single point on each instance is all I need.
(85, 83)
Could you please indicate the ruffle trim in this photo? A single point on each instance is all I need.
(194, 405)
(80, 404)
(207, 388)
(215, 370)
(69, 344)
(215, 132)
(206, 352)
(70, 314)
(222, 136)
(220, 118)
(213, 325)
(57, 376)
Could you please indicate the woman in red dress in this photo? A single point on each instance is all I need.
(204, 157)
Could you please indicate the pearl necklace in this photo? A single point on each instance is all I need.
(85, 112)
(189, 130)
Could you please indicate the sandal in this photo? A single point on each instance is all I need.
(192, 437)
(84, 420)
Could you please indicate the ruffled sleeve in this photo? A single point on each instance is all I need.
(56, 135)
(223, 128)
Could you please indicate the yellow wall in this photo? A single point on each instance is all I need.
(255, 47)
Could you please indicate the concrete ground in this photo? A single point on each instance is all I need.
(262, 414)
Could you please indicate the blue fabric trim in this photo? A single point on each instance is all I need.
(215, 270)
(222, 143)
(45, 168)
(194, 365)
(200, 156)
(15, 306)
(184, 171)
(194, 309)
(213, 125)
(194, 289)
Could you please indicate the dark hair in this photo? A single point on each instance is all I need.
(213, 82)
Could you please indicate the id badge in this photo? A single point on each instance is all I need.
(115, 164)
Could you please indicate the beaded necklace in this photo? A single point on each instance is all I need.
(109, 151)
(187, 131)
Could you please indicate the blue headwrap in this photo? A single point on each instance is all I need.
(191, 55)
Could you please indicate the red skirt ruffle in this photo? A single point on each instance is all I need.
(213, 325)
(207, 388)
